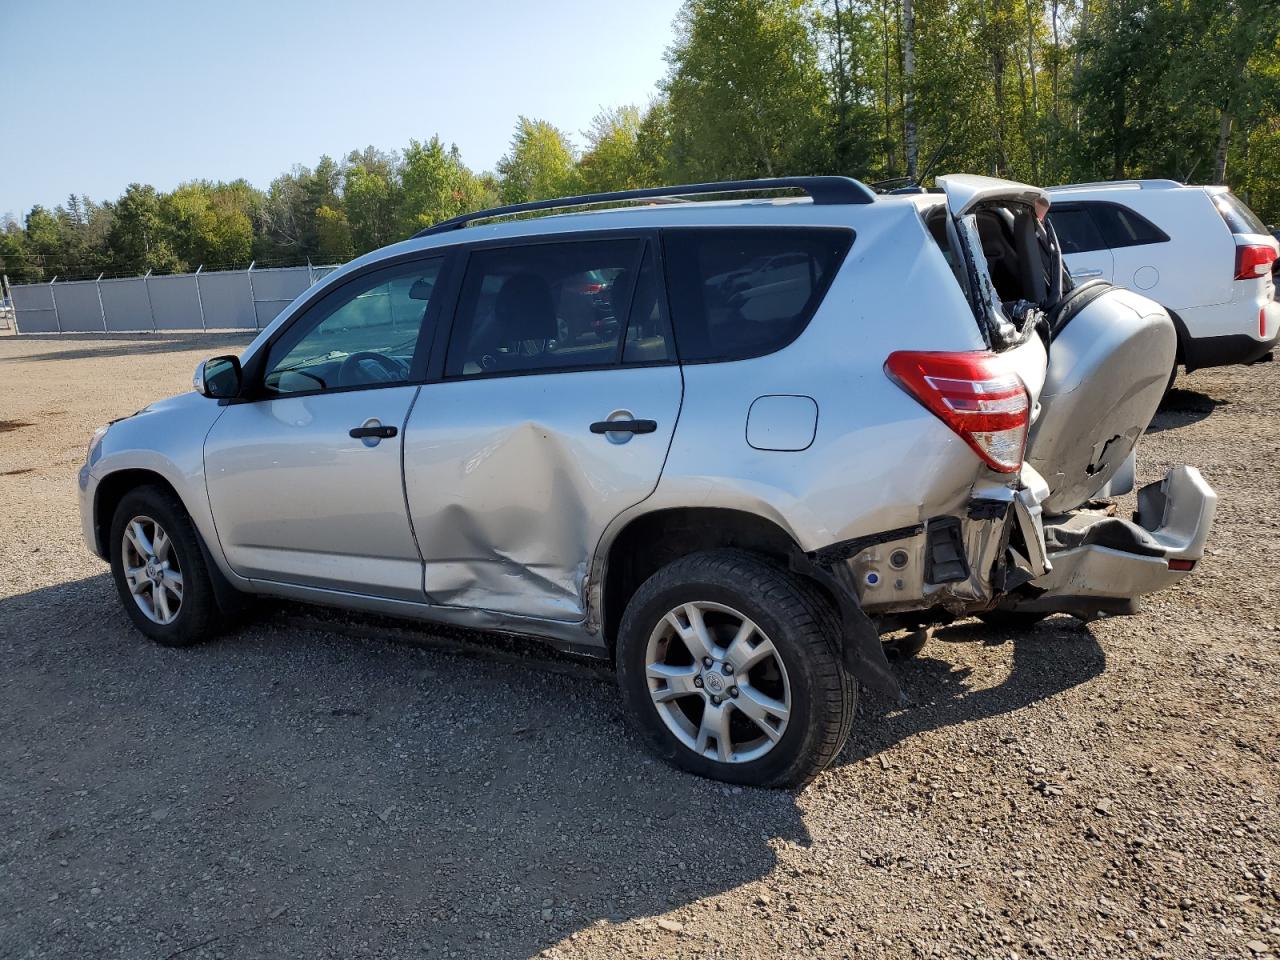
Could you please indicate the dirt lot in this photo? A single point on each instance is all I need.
(314, 786)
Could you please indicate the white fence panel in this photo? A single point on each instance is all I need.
(275, 289)
(78, 308)
(33, 309)
(220, 300)
(228, 303)
(126, 305)
(175, 303)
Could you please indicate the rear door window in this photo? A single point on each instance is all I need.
(738, 292)
(546, 306)
(1237, 215)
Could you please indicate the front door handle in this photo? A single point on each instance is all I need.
(372, 431)
(624, 426)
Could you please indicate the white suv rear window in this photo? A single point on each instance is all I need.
(1239, 218)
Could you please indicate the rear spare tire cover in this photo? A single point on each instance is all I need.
(1108, 369)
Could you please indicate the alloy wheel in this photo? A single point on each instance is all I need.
(718, 682)
(152, 570)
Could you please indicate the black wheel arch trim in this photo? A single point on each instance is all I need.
(862, 651)
(229, 600)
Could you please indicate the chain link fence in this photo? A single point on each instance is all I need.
(218, 300)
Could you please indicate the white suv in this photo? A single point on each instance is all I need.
(1199, 251)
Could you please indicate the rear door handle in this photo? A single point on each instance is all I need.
(624, 426)
(379, 431)
(1085, 274)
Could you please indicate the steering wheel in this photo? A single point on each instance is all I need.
(355, 369)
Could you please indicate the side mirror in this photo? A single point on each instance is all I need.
(218, 378)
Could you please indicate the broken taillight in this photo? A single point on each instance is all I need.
(975, 394)
(1253, 261)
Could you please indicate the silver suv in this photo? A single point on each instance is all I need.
(730, 444)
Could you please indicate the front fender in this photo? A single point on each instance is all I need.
(165, 439)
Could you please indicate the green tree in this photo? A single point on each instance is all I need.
(435, 185)
(371, 198)
(137, 237)
(746, 94)
(653, 144)
(333, 236)
(15, 261)
(210, 224)
(612, 159)
(539, 164)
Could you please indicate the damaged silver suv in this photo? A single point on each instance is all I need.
(729, 443)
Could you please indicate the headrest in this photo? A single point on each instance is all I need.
(524, 309)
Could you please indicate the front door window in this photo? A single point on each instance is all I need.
(366, 333)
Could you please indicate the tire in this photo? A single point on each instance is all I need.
(804, 667)
(1015, 620)
(197, 616)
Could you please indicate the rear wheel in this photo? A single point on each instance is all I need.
(159, 569)
(731, 668)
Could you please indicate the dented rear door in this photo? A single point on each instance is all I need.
(510, 475)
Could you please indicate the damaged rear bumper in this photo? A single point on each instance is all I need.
(1003, 554)
(1101, 565)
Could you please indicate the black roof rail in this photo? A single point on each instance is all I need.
(823, 190)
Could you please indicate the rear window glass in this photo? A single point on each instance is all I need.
(1239, 218)
(742, 292)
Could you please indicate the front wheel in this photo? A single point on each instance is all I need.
(159, 569)
(731, 668)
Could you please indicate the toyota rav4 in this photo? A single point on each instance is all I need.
(810, 422)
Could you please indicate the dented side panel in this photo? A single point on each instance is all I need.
(509, 490)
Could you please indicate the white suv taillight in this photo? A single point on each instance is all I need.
(975, 394)
(1253, 261)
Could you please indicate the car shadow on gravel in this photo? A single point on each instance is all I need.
(292, 790)
(1181, 408)
(102, 345)
(1055, 655)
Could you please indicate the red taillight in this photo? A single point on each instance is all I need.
(975, 394)
(1253, 262)
(1182, 564)
(591, 288)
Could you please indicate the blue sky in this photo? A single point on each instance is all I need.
(103, 94)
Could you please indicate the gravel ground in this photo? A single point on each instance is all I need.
(317, 785)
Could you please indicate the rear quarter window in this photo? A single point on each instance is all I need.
(739, 292)
(1121, 227)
